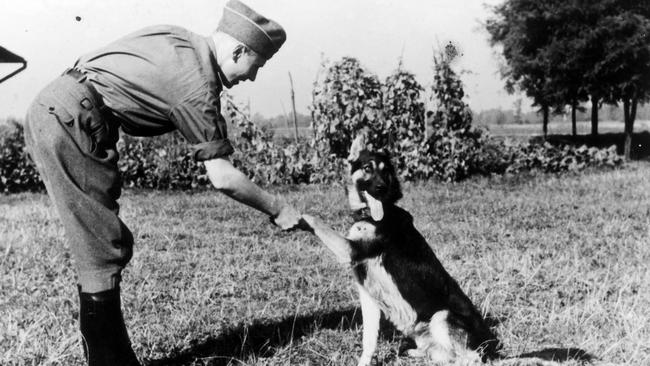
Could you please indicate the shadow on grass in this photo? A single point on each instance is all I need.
(559, 355)
(261, 339)
(640, 149)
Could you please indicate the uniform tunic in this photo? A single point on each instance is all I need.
(148, 83)
(160, 79)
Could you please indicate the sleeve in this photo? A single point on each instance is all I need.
(199, 120)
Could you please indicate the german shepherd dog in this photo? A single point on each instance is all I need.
(398, 274)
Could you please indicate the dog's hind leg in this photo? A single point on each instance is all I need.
(442, 350)
(371, 316)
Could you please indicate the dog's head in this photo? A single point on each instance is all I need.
(374, 182)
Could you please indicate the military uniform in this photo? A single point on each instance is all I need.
(151, 82)
(148, 83)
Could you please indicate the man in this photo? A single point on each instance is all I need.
(148, 83)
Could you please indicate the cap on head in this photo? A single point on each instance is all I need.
(261, 34)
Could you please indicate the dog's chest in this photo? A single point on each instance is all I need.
(382, 288)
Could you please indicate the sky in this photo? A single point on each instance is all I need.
(48, 34)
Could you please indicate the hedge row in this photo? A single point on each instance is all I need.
(164, 162)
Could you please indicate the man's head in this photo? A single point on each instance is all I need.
(245, 40)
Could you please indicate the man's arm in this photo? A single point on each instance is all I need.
(233, 183)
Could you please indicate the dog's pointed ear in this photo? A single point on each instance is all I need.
(358, 145)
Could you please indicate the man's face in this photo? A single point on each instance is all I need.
(243, 66)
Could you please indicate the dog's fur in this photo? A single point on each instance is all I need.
(398, 274)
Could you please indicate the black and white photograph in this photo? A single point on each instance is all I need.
(310, 182)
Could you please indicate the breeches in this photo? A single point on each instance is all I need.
(72, 139)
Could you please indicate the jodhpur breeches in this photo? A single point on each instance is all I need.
(71, 137)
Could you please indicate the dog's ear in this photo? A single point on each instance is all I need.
(358, 145)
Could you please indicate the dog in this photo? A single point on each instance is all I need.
(397, 272)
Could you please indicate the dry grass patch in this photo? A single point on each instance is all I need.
(558, 262)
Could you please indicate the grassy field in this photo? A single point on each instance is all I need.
(564, 128)
(559, 263)
(517, 130)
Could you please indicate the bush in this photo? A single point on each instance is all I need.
(346, 99)
(161, 162)
(17, 172)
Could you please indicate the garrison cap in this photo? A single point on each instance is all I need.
(261, 34)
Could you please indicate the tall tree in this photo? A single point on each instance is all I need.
(522, 28)
(582, 49)
(626, 25)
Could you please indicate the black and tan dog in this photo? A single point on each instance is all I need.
(398, 274)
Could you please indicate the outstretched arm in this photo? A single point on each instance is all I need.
(335, 242)
(233, 183)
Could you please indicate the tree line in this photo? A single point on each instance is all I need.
(565, 52)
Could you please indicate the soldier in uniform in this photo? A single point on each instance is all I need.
(150, 82)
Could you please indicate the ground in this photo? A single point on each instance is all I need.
(560, 264)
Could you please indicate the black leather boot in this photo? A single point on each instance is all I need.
(105, 339)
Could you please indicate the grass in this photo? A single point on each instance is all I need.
(560, 262)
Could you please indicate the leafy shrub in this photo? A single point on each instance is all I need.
(17, 171)
(346, 99)
(162, 162)
(511, 157)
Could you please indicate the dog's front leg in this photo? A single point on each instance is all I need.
(334, 241)
(371, 315)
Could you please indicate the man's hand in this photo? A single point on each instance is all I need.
(287, 219)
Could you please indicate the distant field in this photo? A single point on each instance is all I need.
(518, 130)
(564, 128)
(558, 262)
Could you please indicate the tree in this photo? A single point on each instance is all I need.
(613, 50)
(565, 52)
(522, 28)
(627, 58)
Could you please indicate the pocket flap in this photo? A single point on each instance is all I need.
(61, 114)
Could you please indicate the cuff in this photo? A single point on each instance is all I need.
(212, 149)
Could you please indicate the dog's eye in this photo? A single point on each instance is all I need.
(368, 168)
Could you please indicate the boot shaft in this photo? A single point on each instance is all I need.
(105, 338)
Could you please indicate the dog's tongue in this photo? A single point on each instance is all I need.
(375, 206)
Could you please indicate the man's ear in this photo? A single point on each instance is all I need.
(237, 53)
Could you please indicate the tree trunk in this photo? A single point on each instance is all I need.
(545, 121)
(594, 115)
(574, 128)
(629, 112)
